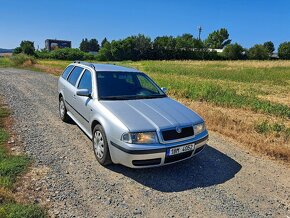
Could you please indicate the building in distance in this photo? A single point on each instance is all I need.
(52, 44)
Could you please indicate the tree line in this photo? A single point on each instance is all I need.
(141, 47)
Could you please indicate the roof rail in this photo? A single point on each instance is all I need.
(85, 63)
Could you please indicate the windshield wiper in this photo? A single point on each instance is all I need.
(115, 98)
(132, 97)
(151, 96)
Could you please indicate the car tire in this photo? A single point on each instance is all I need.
(100, 146)
(62, 110)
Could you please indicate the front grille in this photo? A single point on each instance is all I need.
(147, 162)
(172, 134)
(177, 157)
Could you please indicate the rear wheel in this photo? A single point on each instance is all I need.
(100, 146)
(62, 110)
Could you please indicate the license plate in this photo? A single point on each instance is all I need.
(180, 149)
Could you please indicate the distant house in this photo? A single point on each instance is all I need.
(52, 44)
(275, 55)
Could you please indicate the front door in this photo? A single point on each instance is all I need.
(83, 102)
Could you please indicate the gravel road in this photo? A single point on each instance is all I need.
(225, 180)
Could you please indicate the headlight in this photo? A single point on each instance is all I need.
(198, 128)
(140, 137)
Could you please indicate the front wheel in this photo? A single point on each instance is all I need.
(100, 146)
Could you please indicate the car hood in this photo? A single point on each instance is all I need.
(152, 114)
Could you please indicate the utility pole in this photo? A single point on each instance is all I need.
(199, 32)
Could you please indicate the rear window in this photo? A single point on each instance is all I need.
(74, 75)
(67, 71)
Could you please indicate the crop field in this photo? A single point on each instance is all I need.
(248, 101)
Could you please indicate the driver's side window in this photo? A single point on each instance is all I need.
(86, 81)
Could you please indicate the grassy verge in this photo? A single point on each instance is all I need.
(11, 167)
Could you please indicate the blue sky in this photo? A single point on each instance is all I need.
(249, 21)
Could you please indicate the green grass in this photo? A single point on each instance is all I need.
(219, 95)
(11, 166)
(277, 75)
(5, 62)
(14, 210)
(277, 129)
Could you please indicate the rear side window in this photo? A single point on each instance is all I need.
(86, 81)
(67, 71)
(74, 75)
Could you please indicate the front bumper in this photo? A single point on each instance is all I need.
(154, 157)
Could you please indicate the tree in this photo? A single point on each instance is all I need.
(105, 53)
(84, 46)
(26, 47)
(270, 47)
(164, 47)
(94, 45)
(89, 45)
(233, 52)
(142, 47)
(17, 50)
(103, 42)
(284, 50)
(258, 52)
(218, 39)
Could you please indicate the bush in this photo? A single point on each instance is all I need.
(258, 52)
(43, 54)
(23, 59)
(65, 54)
(233, 52)
(70, 54)
(284, 50)
(89, 56)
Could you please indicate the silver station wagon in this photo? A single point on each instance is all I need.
(130, 120)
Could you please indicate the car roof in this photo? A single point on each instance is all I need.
(107, 67)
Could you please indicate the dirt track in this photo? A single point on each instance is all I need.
(225, 180)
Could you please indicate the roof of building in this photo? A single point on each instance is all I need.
(57, 40)
(107, 67)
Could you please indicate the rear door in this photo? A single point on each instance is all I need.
(62, 82)
(70, 91)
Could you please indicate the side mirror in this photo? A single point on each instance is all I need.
(84, 92)
(164, 89)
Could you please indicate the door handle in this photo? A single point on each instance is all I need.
(74, 96)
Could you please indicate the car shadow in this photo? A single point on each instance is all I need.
(210, 167)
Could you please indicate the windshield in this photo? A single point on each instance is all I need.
(126, 85)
